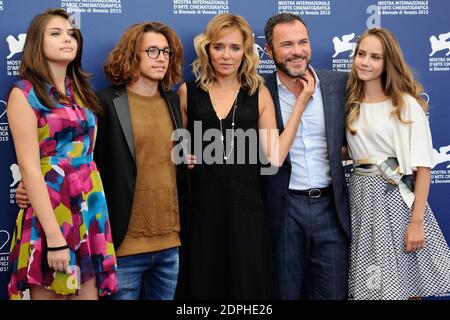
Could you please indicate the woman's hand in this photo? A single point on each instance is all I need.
(58, 260)
(307, 81)
(414, 236)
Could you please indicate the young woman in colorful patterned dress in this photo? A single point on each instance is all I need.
(397, 249)
(62, 246)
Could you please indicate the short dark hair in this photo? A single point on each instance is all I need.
(277, 19)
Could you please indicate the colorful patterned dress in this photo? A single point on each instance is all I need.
(66, 136)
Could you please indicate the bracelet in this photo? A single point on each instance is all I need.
(58, 248)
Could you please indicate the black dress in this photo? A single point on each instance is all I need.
(227, 254)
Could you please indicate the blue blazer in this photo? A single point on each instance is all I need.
(276, 186)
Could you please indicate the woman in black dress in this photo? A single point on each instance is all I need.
(227, 253)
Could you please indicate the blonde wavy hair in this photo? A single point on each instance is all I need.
(202, 67)
(397, 79)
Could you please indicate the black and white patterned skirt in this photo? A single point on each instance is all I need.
(380, 268)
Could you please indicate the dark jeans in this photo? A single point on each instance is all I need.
(147, 276)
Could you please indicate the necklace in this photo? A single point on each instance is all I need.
(222, 138)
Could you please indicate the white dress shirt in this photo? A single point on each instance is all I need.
(308, 153)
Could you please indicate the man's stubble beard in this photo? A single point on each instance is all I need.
(283, 67)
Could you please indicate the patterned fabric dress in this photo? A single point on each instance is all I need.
(380, 269)
(66, 137)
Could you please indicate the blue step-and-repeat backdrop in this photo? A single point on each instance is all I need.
(421, 26)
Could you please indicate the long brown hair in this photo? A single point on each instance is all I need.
(35, 68)
(397, 79)
(202, 66)
(122, 66)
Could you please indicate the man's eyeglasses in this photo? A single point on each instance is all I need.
(154, 52)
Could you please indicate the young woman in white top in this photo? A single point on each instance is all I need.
(398, 250)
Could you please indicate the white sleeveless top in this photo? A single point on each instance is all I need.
(380, 135)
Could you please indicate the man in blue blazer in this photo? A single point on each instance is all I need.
(307, 199)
